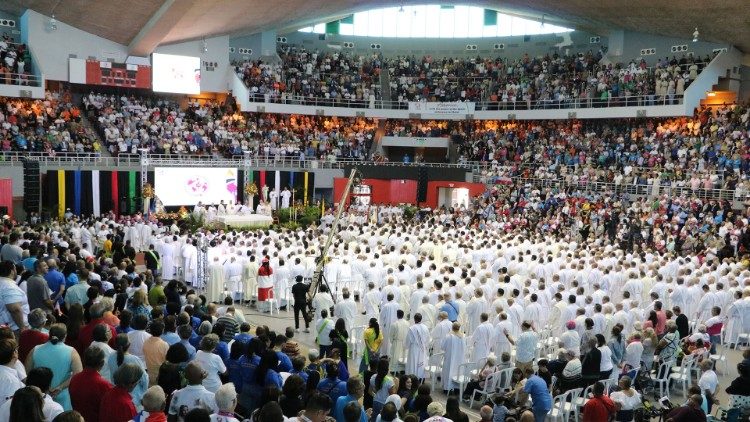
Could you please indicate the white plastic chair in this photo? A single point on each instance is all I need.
(682, 374)
(463, 377)
(582, 398)
(562, 406)
(490, 387)
(356, 340)
(663, 381)
(504, 379)
(720, 357)
(433, 368)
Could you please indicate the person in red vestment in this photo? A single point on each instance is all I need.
(265, 281)
(117, 405)
(87, 388)
(34, 336)
(600, 408)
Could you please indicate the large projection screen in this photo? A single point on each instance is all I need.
(176, 74)
(176, 186)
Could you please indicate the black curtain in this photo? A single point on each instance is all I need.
(105, 191)
(49, 184)
(87, 200)
(241, 186)
(70, 192)
(122, 191)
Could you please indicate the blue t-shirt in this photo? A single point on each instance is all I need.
(171, 338)
(273, 379)
(452, 309)
(248, 368)
(243, 338)
(540, 395)
(338, 412)
(335, 388)
(285, 364)
(55, 279)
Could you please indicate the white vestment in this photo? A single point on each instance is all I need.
(215, 286)
(346, 309)
(455, 354)
(190, 257)
(417, 345)
(398, 333)
(481, 340)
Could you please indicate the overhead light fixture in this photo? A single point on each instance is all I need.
(710, 94)
(401, 9)
(53, 23)
(543, 16)
(695, 34)
(205, 46)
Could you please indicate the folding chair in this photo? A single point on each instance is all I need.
(490, 387)
(463, 377)
(433, 368)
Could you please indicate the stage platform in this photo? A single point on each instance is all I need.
(249, 221)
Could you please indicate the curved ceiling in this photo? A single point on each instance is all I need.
(725, 21)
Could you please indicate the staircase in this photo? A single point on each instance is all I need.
(376, 147)
(86, 123)
(385, 85)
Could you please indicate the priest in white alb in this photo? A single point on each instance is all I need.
(454, 347)
(481, 338)
(190, 259)
(215, 285)
(387, 319)
(346, 309)
(417, 343)
(233, 275)
(398, 332)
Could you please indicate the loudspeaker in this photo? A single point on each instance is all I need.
(31, 186)
(422, 185)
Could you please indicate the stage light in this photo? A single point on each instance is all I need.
(695, 34)
(53, 23)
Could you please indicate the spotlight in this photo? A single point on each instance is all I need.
(205, 46)
(695, 34)
(53, 23)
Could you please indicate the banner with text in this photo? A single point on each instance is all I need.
(444, 109)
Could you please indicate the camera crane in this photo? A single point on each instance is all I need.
(318, 276)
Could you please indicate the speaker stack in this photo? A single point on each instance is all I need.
(31, 186)
(422, 185)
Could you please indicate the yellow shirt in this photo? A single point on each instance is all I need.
(371, 342)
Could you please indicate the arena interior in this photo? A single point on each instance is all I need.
(352, 211)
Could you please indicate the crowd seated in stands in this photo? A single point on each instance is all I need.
(334, 76)
(128, 124)
(52, 126)
(15, 62)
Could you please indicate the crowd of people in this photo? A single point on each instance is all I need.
(337, 77)
(127, 124)
(525, 82)
(52, 125)
(15, 62)
(588, 289)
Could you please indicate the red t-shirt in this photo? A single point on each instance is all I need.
(116, 406)
(598, 409)
(86, 335)
(87, 389)
(28, 340)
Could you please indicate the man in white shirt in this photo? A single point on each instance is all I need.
(346, 309)
(9, 381)
(708, 382)
(323, 328)
(194, 395)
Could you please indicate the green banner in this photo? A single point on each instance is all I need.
(131, 192)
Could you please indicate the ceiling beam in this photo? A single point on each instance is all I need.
(168, 15)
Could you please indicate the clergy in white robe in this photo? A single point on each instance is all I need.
(476, 306)
(167, 258)
(502, 340)
(286, 195)
(441, 330)
(146, 235)
(387, 318)
(417, 345)
(481, 339)
(454, 346)
(190, 258)
(322, 300)
(233, 276)
(249, 278)
(397, 344)
(346, 309)
(282, 280)
(274, 197)
(429, 313)
(372, 302)
(215, 285)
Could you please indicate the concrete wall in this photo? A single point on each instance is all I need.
(447, 47)
(634, 42)
(51, 49)
(744, 94)
(12, 31)
(218, 52)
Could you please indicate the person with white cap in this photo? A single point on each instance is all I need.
(435, 411)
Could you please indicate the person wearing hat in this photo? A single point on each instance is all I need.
(34, 336)
(570, 339)
(265, 280)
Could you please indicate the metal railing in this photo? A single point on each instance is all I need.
(20, 79)
(630, 189)
(578, 103)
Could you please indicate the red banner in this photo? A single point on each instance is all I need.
(118, 74)
(6, 196)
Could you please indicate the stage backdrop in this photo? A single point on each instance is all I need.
(98, 192)
(404, 191)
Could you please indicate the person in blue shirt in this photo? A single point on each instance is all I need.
(356, 389)
(55, 281)
(222, 349)
(249, 398)
(184, 331)
(267, 374)
(541, 399)
(285, 364)
(170, 330)
(233, 365)
(298, 368)
(244, 336)
(451, 308)
(331, 385)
